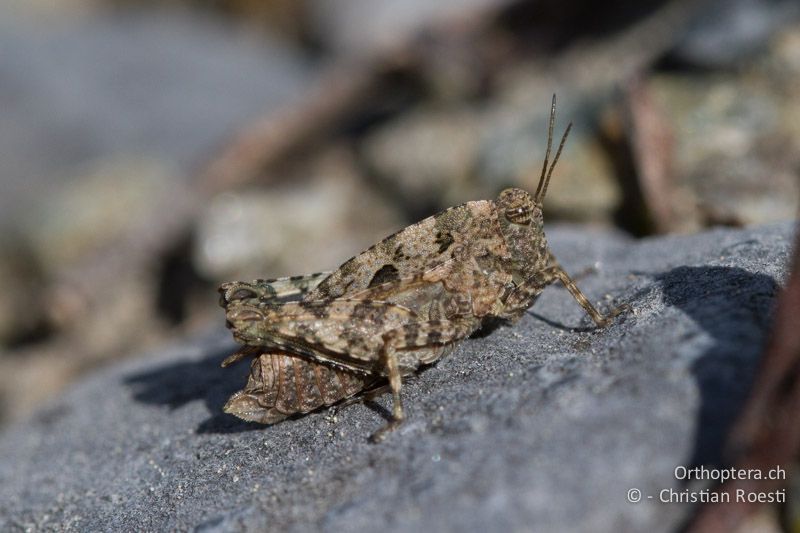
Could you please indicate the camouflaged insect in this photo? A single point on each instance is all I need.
(400, 304)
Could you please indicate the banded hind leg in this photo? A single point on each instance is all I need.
(265, 290)
(522, 297)
(408, 337)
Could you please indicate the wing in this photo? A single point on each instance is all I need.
(469, 229)
(344, 333)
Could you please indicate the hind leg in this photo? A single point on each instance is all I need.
(265, 290)
(408, 337)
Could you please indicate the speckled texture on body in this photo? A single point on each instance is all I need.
(537, 426)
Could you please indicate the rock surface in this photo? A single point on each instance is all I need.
(546, 424)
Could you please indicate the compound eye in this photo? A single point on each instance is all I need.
(519, 215)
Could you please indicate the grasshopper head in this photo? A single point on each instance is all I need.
(521, 213)
(523, 227)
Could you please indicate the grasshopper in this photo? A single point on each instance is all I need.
(398, 305)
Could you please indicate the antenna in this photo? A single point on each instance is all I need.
(549, 146)
(555, 160)
(544, 180)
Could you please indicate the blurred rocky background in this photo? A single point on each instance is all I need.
(150, 150)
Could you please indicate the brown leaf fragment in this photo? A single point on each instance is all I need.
(653, 148)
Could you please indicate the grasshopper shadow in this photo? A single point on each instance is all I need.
(734, 307)
(176, 384)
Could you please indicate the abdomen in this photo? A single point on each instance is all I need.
(282, 384)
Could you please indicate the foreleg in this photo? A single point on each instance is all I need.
(522, 297)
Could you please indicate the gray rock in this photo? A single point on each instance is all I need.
(167, 86)
(733, 161)
(544, 425)
(356, 26)
(727, 31)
